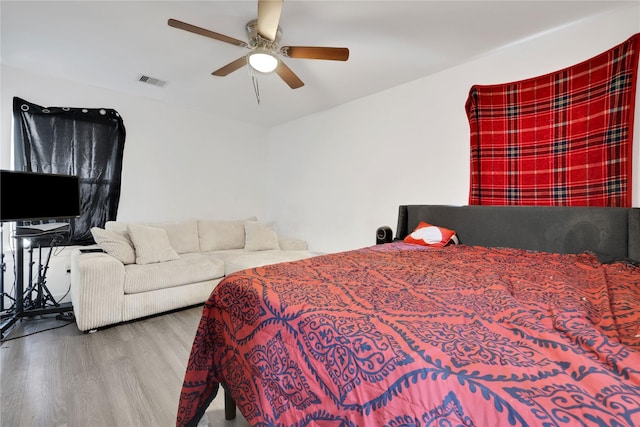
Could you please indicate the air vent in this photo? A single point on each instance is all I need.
(152, 81)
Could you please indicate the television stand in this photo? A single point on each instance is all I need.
(36, 300)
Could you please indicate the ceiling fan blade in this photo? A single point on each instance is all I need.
(311, 52)
(268, 18)
(204, 32)
(288, 76)
(231, 67)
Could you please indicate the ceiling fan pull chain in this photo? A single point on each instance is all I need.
(254, 80)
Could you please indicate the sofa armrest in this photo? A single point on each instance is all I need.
(97, 289)
(292, 244)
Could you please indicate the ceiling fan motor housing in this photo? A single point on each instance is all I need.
(255, 40)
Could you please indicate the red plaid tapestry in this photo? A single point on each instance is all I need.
(565, 138)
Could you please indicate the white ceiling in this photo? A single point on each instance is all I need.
(109, 44)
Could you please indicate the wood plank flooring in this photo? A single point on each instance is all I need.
(128, 375)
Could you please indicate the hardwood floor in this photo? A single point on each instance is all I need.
(128, 375)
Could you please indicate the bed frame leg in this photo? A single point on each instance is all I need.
(229, 406)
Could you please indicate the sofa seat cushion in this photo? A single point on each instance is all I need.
(242, 261)
(188, 268)
(226, 254)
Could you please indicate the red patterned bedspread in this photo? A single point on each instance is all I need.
(403, 335)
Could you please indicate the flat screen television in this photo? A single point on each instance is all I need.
(30, 196)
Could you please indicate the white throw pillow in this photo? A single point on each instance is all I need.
(115, 244)
(260, 237)
(151, 244)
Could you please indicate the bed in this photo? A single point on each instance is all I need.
(532, 319)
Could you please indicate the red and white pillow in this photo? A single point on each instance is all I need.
(430, 235)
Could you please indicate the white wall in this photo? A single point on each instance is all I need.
(177, 163)
(336, 176)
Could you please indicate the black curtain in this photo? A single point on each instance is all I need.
(87, 142)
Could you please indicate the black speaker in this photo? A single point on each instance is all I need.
(384, 235)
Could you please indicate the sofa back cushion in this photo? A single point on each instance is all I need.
(260, 237)
(220, 235)
(183, 235)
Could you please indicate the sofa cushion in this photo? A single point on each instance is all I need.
(151, 244)
(220, 235)
(292, 244)
(245, 260)
(118, 226)
(116, 244)
(183, 235)
(259, 236)
(188, 268)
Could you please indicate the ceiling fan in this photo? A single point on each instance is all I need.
(264, 36)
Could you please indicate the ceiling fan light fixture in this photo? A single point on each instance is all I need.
(263, 61)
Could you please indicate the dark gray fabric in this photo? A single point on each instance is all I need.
(84, 142)
(634, 234)
(611, 233)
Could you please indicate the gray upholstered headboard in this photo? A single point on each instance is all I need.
(609, 232)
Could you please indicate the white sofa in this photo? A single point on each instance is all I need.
(146, 269)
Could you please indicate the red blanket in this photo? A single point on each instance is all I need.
(400, 334)
(564, 138)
